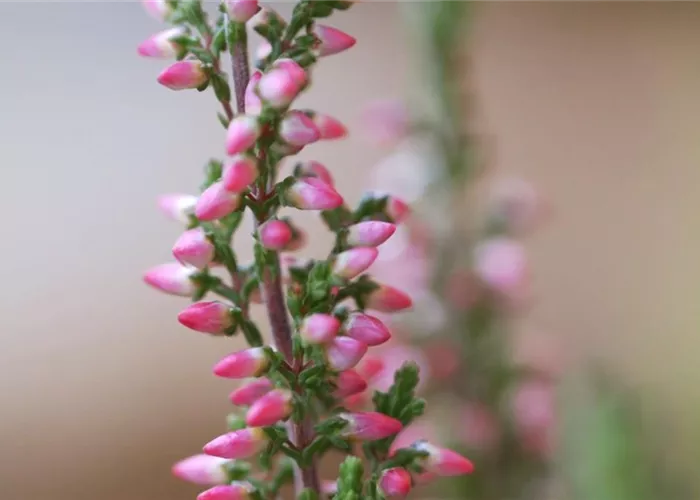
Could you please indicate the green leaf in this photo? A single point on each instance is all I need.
(350, 478)
(221, 87)
(237, 470)
(212, 173)
(251, 333)
(307, 494)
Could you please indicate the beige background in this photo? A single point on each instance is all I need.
(102, 389)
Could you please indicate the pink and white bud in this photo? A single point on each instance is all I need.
(367, 329)
(274, 406)
(386, 122)
(241, 10)
(297, 129)
(395, 483)
(370, 233)
(161, 44)
(370, 425)
(353, 262)
(294, 69)
(501, 263)
(234, 491)
(242, 133)
(314, 169)
(216, 202)
(278, 88)
(179, 207)
(311, 193)
(251, 362)
(262, 52)
(250, 392)
(329, 488)
(275, 234)
(158, 9)
(349, 383)
(194, 248)
(172, 278)
(319, 328)
(344, 353)
(239, 444)
(202, 469)
(417, 431)
(239, 173)
(444, 462)
(253, 104)
(207, 317)
(329, 127)
(387, 299)
(332, 40)
(188, 74)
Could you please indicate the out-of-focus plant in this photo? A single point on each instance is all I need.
(298, 380)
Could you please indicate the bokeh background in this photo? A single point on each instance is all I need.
(102, 389)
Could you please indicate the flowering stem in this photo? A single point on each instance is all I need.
(301, 433)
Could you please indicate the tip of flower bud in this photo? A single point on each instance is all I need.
(239, 173)
(201, 469)
(370, 233)
(275, 234)
(310, 193)
(332, 40)
(241, 11)
(298, 130)
(444, 462)
(354, 262)
(242, 133)
(233, 491)
(349, 383)
(319, 328)
(188, 74)
(207, 317)
(194, 248)
(249, 393)
(177, 206)
(274, 406)
(370, 426)
(251, 362)
(344, 353)
(395, 483)
(314, 169)
(216, 202)
(238, 444)
(171, 278)
(367, 329)
(329, 127)
(388, 299)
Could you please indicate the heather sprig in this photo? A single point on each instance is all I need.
(292, 403)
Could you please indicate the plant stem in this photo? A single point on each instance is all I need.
(301, 433)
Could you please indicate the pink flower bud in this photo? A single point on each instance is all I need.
(388, 299)
(241, 10)
(370, 233)
(395, 483)
(253, 104)
(178, 207)
(239, 173)
(349, 383)
(234, 491)
(249, 393)
(161, 45)
(297, 129)
(501, 263)
(314, 169)
(278, 88)
(332, 40)
(202, 469)
(242, 133)
(329, 488)
(444, 462)
(344, 353)
(262, 52)
(274, 406)
(319, 328)
(298, 74)
(194, 248)
(367, 329)
(216, 202)
(370, 426)
(207, 317)
(172, 278)
(354, 262)
(243, 443)
(275, 234)
(397, 209)
(183, 75)
(329, 127)
(313, 194)
(158, 9)
(251, 362)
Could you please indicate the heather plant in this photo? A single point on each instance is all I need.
(296, 384)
